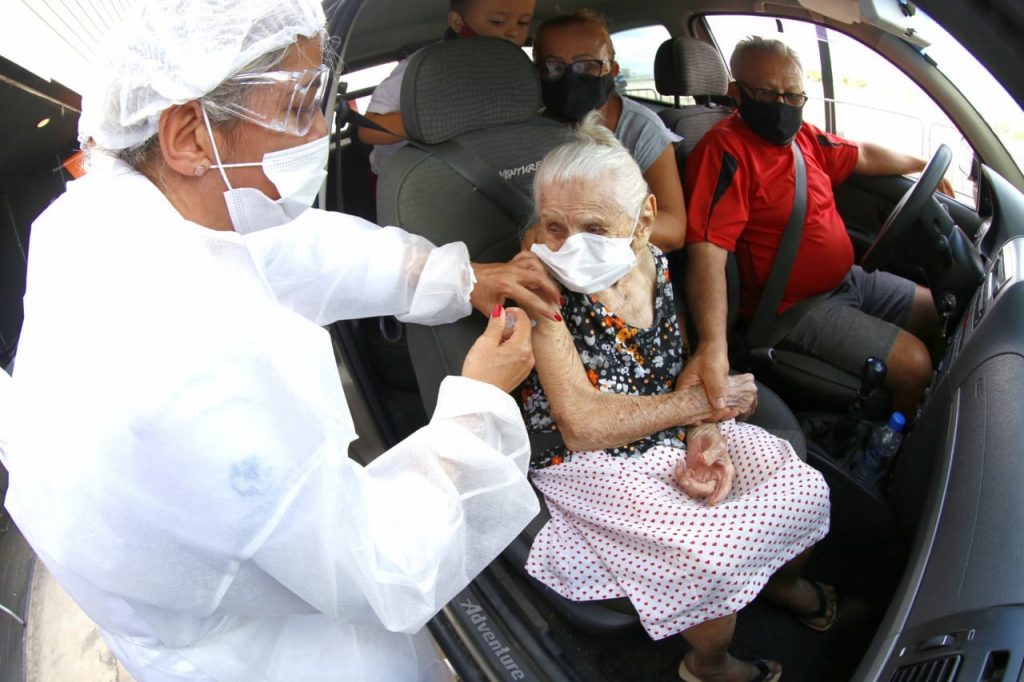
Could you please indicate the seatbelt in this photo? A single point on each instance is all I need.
(513, 201)
(761, 324)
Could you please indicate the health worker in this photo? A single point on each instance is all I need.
(178, 456)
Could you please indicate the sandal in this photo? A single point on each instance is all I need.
(825, 603)
(764, 672)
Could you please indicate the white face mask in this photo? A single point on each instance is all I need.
(588, 263)
(297, 173)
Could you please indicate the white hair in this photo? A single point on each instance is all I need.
(595, 155)
(763, 45)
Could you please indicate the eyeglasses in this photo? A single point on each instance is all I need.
(769, 96)
(553, 69)
(285, 101)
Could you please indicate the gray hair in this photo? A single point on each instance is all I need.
(594, 153)
(228, 92)
(759, 44)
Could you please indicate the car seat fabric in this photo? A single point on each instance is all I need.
(687, 67)
(483, 95)
(460, 86)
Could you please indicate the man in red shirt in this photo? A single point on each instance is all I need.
(739, 187)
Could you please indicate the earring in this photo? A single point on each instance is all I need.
(200, 171)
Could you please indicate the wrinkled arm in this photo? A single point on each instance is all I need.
(331, 266)
(663, 179)
(590, 419)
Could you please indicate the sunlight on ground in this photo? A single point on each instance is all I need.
(62, 643)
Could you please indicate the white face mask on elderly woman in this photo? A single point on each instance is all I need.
(588, 263)
(297, 173)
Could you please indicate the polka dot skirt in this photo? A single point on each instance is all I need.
(621, 527)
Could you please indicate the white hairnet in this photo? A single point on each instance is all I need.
(172, 51)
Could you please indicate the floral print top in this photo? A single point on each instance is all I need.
(618, 358)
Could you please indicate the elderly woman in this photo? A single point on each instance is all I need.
(650, 498)
(179, 454)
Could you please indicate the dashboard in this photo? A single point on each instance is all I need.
(958, 485)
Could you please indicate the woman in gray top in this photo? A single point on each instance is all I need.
(576, 62)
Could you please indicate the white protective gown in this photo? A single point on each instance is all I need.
(180, 457)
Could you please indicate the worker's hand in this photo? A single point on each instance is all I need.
(708, 367)
(524, 279)
(707, 470)
(529, 237)
(503, 355)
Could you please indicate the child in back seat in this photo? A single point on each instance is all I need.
(508, 19)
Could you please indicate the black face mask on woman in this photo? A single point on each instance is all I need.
(776, 122)
(572, 96)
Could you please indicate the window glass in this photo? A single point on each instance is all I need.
(365, 78)
(634, 51)
(873, 100)
(361, 79)
(1002, 113)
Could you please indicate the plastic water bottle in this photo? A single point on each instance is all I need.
(883, 443)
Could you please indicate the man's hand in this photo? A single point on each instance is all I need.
(946, 187)
(709, 368)
(524, 279)
(707, 470)
(503, 354)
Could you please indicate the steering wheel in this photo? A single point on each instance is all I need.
(908, 211)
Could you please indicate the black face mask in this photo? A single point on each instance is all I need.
(776, 122)
(572, 97)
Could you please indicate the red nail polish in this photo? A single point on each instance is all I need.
(561, 300)
(497, 311)
(558, 318)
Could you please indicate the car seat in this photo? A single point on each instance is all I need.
(454, 95)
(690, 67)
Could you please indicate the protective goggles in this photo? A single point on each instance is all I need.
(285, 101)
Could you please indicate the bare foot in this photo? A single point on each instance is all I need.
(734, 670)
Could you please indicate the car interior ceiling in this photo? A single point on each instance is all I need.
(864, 553)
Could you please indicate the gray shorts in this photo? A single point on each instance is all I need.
(859, 319)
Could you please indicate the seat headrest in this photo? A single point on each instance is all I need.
(458, 86)
(689, 67)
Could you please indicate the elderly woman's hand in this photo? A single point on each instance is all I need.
(524, 279)
(741, 395)
(503, 355)
(740, 398)
(707, 470)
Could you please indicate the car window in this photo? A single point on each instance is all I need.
(366, 78)
(634, 51)
(982, 90)
(871, 99)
